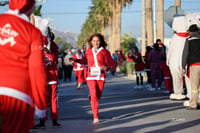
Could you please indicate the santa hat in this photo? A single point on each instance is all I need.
(69, 51)
(23, 6)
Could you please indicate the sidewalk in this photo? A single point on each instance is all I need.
(122, 109)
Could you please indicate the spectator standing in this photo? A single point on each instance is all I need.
(147, 65)
(167, 76)
(22, 80)
(68, 66)
(155, 57)
(191, 55)
(121, 59)
(139, 67)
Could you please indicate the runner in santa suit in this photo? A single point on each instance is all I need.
(78, 68)
(84, 48)
(52, 78)
(22, 74)
(98, 59)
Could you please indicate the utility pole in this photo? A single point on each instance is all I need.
(154, 21)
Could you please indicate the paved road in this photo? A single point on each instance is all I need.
(122, 109)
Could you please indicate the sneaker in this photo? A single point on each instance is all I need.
(96, 121)
(166, 91)
(186, 103)
(55, 123)
(159, 88)
(151, 89)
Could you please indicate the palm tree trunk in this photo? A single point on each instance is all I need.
(149, 23)
(143, 27)
(178, 3)
(118, 25)
(160, 20)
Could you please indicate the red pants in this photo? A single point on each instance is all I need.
(16, 115)
(95, 89)
(85, 73)
(53, 102)
(79, 76)
(168, 84)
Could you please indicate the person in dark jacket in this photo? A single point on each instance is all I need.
(191, 56)
(155, 57)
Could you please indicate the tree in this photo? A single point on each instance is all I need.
(160, 23)
(127, 42)
(149, 23)
(64, 45)
(144, 30)
(116, 8)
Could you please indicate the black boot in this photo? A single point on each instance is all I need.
(137, 80)
(55, 123)
(40, 125)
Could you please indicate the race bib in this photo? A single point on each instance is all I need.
(95, 71)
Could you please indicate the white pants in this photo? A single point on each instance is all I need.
(177, 78)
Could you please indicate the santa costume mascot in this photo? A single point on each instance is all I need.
(22, 75)
(174, 56)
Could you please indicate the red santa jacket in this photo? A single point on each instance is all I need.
(147, 65)
(51, 68)
(77, 66)
(104, 61)
(165, 69)
(139, 64)
(22, 73)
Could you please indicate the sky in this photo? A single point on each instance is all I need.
(69, 15)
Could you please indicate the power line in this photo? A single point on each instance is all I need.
(79, 13)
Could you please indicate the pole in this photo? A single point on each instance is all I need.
(154, 21)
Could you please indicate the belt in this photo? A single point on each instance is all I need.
(102, 71)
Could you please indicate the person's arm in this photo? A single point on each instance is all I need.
(185, 54)
(37, 74)
(110, 63)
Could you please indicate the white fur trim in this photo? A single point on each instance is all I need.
(78, 69)
(40, 113)
(11, 92)
(20, 15)
(95, 78)
(52, 82)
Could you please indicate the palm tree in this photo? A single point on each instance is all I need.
(149, 23)
(143, 26)
(177, 2)
(160, 20)
(116, 8)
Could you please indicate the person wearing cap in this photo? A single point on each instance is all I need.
(23, 79)
(191, 56)
(78, 68)
(99, 60)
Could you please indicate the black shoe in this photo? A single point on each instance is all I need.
(39, 126)
(55, 123)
